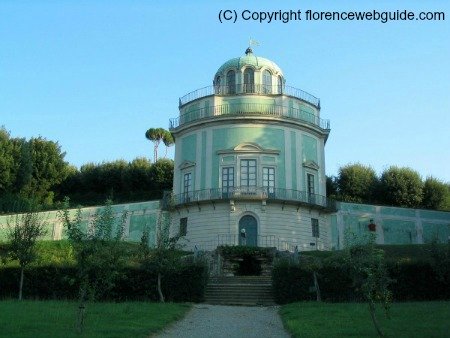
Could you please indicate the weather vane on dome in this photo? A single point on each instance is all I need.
(251, 42)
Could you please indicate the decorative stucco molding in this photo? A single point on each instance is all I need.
(311, 165)
(186, 164)
(248, 148)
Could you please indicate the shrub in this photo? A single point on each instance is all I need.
(291, 282)
(241, 250)
(417, 281)
(185, 283)
(43, 282)
(413, 279)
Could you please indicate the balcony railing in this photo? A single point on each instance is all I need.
(260, 89)
(245, 109)
(269, 241)
(250, 193)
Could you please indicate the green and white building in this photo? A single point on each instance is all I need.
(250, 161)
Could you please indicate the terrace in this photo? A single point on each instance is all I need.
(259, 89)
(287, 196)
(250, 109)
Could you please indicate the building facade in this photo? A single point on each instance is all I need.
(250, 162)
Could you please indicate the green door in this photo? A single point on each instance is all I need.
(248, 231)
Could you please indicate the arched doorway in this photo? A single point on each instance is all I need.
(248, 231)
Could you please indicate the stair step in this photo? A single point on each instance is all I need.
(240, 286)
(256, 296)
(231, 299)
(240, 290)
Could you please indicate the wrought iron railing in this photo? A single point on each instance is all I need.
(268, 241)
(245, 88)
(247, 109)
(249, 193)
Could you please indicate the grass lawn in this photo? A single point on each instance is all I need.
(53, 319)
(417, 319)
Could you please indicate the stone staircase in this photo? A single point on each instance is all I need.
(240, 290)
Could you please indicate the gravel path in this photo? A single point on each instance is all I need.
(228, 321)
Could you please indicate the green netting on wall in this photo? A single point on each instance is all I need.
(399, 232)
(357, 224)
(436, 232)
(139, 216)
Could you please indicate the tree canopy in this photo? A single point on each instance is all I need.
(356, 183)
(33, 173)
(156, 135)
(29, 171)
(434, 193)
(119, 180)
(401, 187)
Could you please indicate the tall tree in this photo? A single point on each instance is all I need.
(22, 234)
(401, 187)
(155, 135)
(356, 183)
(168, 140)
(49, 168)
(25, 166)
(6, 161)
(434, 193)
(10, 160)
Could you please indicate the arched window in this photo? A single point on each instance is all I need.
(267, 82)
(249, 81)
(280, 85)
(231, 82)
(217, 88)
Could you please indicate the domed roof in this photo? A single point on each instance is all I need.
(249, 59)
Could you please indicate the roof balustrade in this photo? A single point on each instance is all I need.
(250, 193)
(260, 89)
(249, 109)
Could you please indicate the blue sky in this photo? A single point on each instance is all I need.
(95, 75)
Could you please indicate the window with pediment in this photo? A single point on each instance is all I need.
(248, 173)
(187, 186)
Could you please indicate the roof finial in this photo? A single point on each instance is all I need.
(251, 42)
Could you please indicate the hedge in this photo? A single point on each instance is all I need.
(418, 281)
(186, 283)
(412, 281)
(291, 283)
